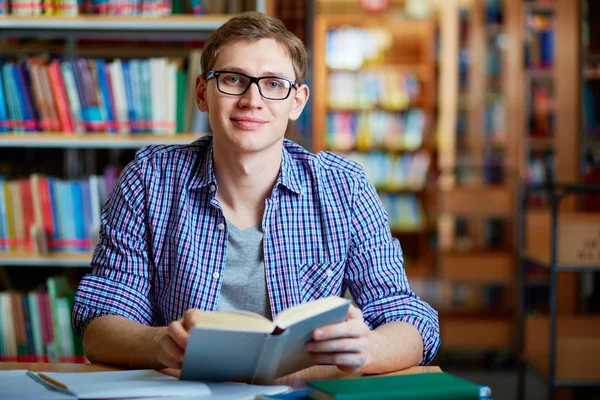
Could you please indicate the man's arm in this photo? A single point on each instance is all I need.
(112, 339)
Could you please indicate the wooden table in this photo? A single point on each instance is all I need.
(296, 380)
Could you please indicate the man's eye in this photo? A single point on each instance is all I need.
(232, 79)
(274, 84)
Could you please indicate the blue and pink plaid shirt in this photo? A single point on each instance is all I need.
(163, 242)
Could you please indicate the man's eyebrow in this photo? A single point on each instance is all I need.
(266, 73)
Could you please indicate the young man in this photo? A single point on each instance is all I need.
(244, 219)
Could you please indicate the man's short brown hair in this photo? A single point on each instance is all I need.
(254, 26)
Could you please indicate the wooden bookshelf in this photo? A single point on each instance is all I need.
(469, 197)
(478, 201)
(17, 259)
(476, 332)
(478, 267)
(92, 140)
(411, 49)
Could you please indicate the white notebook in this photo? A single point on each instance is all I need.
(122, 384)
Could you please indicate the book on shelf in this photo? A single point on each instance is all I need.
(42, 213)
(540, 40)
(126, 96)
(247, 347)
(36, 326)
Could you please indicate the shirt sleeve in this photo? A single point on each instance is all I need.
(375, 274)
(119, 283)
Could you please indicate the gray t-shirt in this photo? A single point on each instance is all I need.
(244, 283)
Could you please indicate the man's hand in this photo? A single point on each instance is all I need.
(172, 344)
(345, 344)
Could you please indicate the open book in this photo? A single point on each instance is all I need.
(246, 347)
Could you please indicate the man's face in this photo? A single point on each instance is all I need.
(250, 123)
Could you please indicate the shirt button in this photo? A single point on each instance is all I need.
(216, 275)
(329, 273)
(213, 188)
(221, 226)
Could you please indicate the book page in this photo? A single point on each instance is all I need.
(299, 313)
(237, 321)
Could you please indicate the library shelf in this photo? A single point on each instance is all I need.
(479, 267)
(577, 348)
(493, 201)
(45, 260)
(177, 23)
(92, 140)
(474, 332)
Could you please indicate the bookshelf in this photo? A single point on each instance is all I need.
(91, 140)
(476, 200)
(388, 133)
(31, 295)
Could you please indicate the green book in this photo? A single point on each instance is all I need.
(427, 386)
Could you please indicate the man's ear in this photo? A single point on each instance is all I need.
(201, 101)
(300, 99)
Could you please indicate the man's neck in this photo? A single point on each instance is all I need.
(245, 180)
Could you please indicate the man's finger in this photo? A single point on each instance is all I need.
(178, 334)
(347, 329)
(354, 313)
(352, 345)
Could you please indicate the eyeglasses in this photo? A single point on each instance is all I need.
(236, 84)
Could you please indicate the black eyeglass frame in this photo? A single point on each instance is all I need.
(253, 79)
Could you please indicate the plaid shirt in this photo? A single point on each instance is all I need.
(163, 242)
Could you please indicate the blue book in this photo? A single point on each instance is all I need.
(77, 212)
(132, 114)
(14, 110)
(4, 122)
(25, 99)
(105, 95)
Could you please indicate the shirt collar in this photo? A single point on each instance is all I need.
(288, 175)
(205, 174)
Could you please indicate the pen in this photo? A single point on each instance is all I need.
(53, 381)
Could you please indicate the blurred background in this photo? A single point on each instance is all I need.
(476, 120)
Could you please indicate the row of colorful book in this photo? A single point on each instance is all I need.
(91, 95)
(36, 326)
(395, 172)
(405, 212)
(121, 7)
(41, 214)
(365, 131)
(385, 87)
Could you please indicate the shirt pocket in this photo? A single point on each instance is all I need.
(319, 280)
